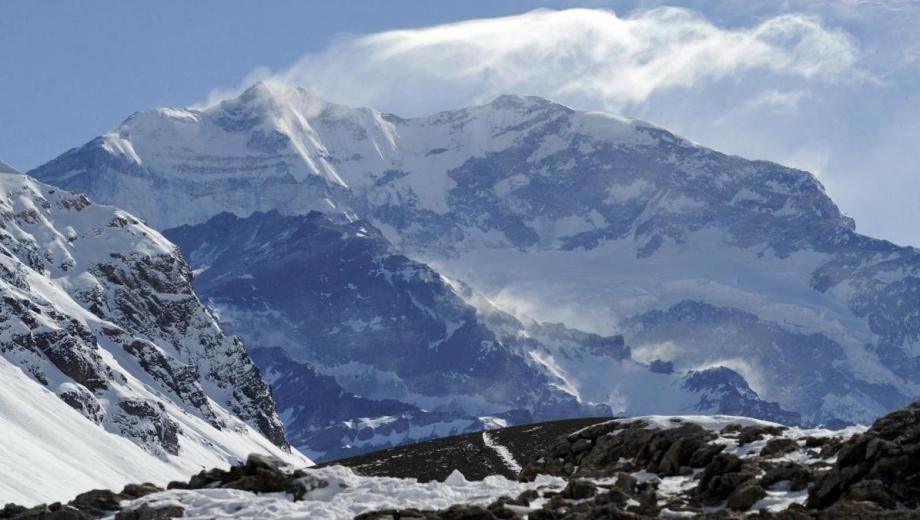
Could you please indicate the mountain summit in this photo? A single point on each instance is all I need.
(698, 259)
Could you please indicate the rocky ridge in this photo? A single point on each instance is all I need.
(101, 332)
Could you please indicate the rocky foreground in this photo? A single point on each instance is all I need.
(648, 467)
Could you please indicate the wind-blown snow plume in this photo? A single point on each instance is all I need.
(592, 55)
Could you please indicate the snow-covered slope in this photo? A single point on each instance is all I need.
(605, 224)
(411, 354)
(112, 370)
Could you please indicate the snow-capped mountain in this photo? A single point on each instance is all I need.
(111, 370)
(369, 349)
(607, 225)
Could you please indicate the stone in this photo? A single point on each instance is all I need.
(626, 483)
(797, 475)
(465, 512)
(580, 445)
(871, 491)
(752, 433)
(146, 512)
(882, 465)
(578, 489)
(743, 498)
(97, 502)
(725, 474)
(778, 447)
(135, 491)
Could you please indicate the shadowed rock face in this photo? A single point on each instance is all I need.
(327, 422)
(328, 296)
(368, 348)
(99, 309)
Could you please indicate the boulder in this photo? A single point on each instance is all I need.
(147, 512)
(578, 489)
(778, 447)
(744, 497)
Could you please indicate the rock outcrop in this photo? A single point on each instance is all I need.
(98, 310)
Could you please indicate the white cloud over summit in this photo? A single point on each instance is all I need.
(590, 56)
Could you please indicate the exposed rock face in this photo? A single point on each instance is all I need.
(726, 391)
(398, 337)
(98, 309)
(601, 223)
(328, 422)
(402, 317)
(336, 298)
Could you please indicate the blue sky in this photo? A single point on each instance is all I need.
(828, 86)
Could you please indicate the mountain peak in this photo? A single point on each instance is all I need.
(274, 97)
(516, 102)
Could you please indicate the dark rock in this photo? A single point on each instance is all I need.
(578, 489)
(597, 430)
(262, 481)
(882, 465)
(146, 512)
(725, 474)
(752, 433)
(135, 491)
(96, 503)
(206, 479)
(797, 475)
(744, 497)
(704, 455)
(301, 486)
(465, 512)
(871, 491)
(580, 445)
(542, 514)
(397, 514)
(11, 510)
(731, 428)
(863, 511)
(778, 447)
(613, 496)
(626, 483)
(830, 448)
(499, 510)
(526, 497)
(51, 512)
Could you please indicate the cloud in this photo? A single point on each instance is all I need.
(586, 56)
(778, 100)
